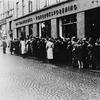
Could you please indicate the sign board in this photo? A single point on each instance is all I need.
(50, 13)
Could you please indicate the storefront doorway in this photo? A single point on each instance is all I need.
(92, 23)
(69, 26)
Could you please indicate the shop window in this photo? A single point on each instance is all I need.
(46, 29)
(69, 26)
(69, 19)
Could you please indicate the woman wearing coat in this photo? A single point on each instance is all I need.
(49, 49)
(23, 47)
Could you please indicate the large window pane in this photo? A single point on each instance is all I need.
(69, 26)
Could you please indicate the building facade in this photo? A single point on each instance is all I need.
(56, 18)
(6, 18)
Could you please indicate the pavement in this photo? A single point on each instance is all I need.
(30, 79)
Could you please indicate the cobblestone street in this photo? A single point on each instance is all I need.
(28, 79)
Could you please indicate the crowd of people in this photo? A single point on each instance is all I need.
(80, 53)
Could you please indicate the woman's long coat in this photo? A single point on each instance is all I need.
(23, 48)
(49, 47)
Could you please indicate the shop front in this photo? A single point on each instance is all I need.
(60, 20)
(22, 29)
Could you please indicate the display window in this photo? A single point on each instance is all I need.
(69, 26)
(46, 29)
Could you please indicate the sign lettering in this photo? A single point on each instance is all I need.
(57, 12)
(24, 21)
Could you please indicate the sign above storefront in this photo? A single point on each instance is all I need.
(47, 14)
(57, 12)
(25, 21)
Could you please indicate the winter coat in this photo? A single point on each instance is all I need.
(23, 47)
(49, 47)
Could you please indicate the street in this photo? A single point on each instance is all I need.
(30, 79)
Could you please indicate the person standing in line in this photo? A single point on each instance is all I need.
(11, 45)
(74, 51)
(79, 54)
(49, 49)
(4, 44)
(23, 47)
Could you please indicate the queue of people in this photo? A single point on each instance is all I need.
(80, 53)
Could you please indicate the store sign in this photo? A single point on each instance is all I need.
(57, 12)
(24, 21)
(53, 12)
